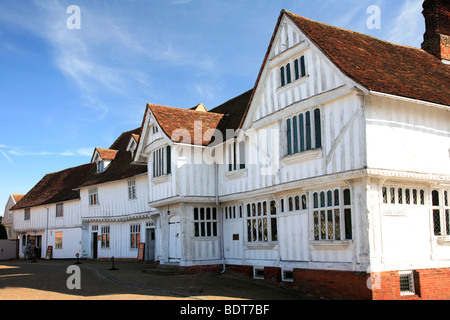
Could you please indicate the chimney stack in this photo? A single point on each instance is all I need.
(437, 34)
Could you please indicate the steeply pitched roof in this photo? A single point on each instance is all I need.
(187, 126)
(106, 154)
(380, 65)
(17, 197)
(226, 116)
(64, 185)
(121, 167)
(56, 187)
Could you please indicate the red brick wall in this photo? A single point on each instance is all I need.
(430, 284)
(333, 284)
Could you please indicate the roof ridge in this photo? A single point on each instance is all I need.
(351, 31)
(187, 110)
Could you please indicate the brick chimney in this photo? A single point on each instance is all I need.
(437, 34)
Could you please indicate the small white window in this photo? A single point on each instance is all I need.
(131, 190)
(287, 275)
(407, 283)
(93, 196)
(59, 210)
(100, 166)
(258, 272)
(27, 214)
(135, 235)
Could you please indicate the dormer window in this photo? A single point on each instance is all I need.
(100, 166)
(102, 158)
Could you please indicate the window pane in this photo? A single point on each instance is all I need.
(273, 208)
(447, 221)
(295, 133)
(437, 222)
(384, 195)
(195, 213)
(322, 226)
(316, 225)
(288, 73)
(289, 136)
(297, 71)
(283, 83)
(337, 224)
(348, 224)
(302, 66)
(274, 229)
(407, 196)
(302, 132)
(318, 129)
(435, 197)
(392, 192)
(347, 198)
(329, 198)
(330, 224)
(316, 201)
(308, 131)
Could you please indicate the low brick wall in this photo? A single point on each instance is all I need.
(429, 284)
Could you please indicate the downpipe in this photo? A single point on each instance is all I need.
(222, 245)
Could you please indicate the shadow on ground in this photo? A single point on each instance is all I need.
(47, 280)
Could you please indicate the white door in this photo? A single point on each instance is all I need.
(174, 239)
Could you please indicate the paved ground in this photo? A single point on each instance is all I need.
(47, 280)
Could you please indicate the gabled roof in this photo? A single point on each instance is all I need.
(226, 116)
(121, 167)
(56, 187)
(105, 154)
(182, 124)
(379, 65)
(64, 185)
(17, 197)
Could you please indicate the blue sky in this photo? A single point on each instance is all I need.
(64, 92)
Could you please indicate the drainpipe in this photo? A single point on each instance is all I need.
(222, 245)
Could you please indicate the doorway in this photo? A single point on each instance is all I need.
(174, 239)
(150, 244)
(94, 245)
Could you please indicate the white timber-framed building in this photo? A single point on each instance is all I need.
(331, 175)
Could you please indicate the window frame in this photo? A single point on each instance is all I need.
(135, 235)
(27, 214)
(304, 131)
(59, 210)
(261, 222)
(161, 161)
(299, 71)
(58, 240)
(440, 212)
(131, 184)
(236, 151)
(206, 225)
(93, 197)
(332, 215)
(105, 237)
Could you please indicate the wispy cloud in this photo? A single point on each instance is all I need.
(406, 28)
(8, 151)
